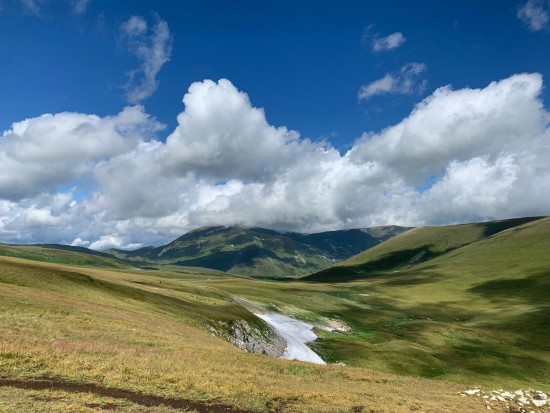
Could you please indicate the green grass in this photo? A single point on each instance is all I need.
(416, 246)
(147, 332)
(476, 312)
(60, 256)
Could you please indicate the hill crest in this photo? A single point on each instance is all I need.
(417, 246)
(260, 251)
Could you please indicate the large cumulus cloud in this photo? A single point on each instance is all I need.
(221, 135)
(504, 117)
(459, 156)
(38, 155)
(486, 151)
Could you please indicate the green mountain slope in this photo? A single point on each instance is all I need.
(479, 311)
(417, 245)
(258, 251)
(63, 254)
(81, 339)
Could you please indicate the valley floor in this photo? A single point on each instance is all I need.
(80, 340)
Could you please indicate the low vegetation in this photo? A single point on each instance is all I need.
(260, 252)
(147, 333)
(63, 254)
(477, 312)
(472, 312)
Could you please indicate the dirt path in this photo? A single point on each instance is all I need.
(147, 400)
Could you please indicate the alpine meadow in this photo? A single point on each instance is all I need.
(274, 207)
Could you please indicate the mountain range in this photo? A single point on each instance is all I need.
(235, 249)
(260, 251)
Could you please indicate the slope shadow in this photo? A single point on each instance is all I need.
(404, 258)
(492, 228)
(465, 340)
(413, 277)
(393, 261)
(533, 289)
(225, 260)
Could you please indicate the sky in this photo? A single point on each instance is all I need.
(129, 123)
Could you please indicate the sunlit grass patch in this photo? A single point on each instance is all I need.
(114, 332)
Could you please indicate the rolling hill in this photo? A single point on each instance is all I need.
(416, 246)
(456, 301)
(63, 254)
(247, 251)
(88, 339)
(405, 326)
(260, 252)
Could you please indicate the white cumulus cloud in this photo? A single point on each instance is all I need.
(222, 136)
(484, 148)
(534, 14)
(390, 42)
(405, 82)
(152, 49)
(42, 153)
(379, 43)
(461, 155)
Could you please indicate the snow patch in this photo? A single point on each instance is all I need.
(296, 333)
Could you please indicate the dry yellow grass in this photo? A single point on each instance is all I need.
(91, 331)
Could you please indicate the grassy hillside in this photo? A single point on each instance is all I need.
(411, 337)
(480, 311)
(63, 254)
(81, 340)
(417, 245)
(258, 251)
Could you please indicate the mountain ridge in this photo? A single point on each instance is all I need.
(417, 246)
(260, 251)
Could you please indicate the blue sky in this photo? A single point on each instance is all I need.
(373, 113)
(302, 61)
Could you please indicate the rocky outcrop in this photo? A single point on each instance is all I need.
(336, 325)
(255, 338)
(519, 401)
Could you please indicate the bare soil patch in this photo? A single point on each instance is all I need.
(147, 400)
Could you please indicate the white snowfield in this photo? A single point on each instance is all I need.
(296, 333)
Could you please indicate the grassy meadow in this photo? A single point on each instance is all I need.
(475, 313)
(56, 255)
(147, 333)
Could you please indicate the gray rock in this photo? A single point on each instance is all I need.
(255, 338)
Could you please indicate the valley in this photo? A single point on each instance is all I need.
(274, 206)
(409, 324)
